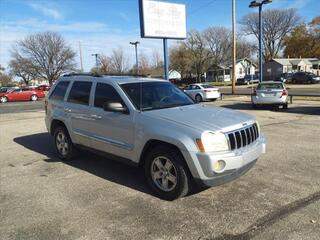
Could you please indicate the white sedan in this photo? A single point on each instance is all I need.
(202, 92)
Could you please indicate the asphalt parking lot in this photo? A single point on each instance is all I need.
(95, 198)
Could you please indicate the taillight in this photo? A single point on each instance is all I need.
(284, 93)
(46, 106)
(254, 93)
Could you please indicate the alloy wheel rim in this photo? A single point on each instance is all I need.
(164, 173)
(3, 99)
(34, 97)
(62, 144)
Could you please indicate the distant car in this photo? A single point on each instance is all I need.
(247, 79)
(270, 93)
(43, 88)
(305, 77)
(285, 77)
(21, 94)
(202, 92)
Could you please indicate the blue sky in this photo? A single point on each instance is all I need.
(102, 25)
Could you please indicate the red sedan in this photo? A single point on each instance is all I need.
(21, 94)
(43, 88)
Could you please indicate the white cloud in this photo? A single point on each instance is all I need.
(46, 11)
(95, 37)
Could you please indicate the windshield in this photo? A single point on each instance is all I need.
(155, 95)
(266, 86)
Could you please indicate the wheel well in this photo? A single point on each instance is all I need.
(152, 144)
(56, 123)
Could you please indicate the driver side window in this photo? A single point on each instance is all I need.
(105, 93)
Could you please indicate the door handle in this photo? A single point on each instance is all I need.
(98, 117)
(67, 109)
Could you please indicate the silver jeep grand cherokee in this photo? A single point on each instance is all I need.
(152, 124)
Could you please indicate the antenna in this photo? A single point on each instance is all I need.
(80, 50)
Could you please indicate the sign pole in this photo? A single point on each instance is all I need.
(166, 58)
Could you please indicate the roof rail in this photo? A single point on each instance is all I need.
(91, 74)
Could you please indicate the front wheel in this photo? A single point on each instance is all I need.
(3, 99)
(34, 97)
(166, 173)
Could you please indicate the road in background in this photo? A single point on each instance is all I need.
(16, 107)
(293, 89)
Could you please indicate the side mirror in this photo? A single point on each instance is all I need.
(115, 107)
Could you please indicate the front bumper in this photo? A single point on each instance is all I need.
(237, 163)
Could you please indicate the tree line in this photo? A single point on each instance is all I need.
(47, 55)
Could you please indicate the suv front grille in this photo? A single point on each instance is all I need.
(243, 137)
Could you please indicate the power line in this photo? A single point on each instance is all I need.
(202, 6)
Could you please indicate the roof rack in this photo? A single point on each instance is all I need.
(91, 74)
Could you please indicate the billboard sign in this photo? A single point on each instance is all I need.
(162, 20)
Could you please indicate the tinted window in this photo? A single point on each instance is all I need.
(155, 95)
(17, 90)
(26, 90)
(80, 93)
(59, 91)
(105, 93)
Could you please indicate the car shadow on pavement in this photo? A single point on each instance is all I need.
(111, 170)
(307, 110)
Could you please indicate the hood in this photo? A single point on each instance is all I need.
(204, 117)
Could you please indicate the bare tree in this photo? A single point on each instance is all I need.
(156, 59)
(5, 79)
(105, 64)
(144, 65)
(276, 24)
(219, 42)
(22, 68)
(119, 61)
(200, 55)
(47, 53)
(180, 59)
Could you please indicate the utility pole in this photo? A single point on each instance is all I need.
(136, 51)
(81, 64)
(96, 55)
(234, 46)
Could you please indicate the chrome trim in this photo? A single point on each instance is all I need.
(105, 140)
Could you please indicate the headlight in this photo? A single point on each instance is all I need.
(212, 142)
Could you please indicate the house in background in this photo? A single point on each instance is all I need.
(278, 66)
(221, 73)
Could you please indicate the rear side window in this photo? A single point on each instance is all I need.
(105, 93)
(59, 91)
(80, 93)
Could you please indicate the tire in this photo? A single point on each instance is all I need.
(166, 173)
(34, 97)
(198, 98)
(63, 144)
(3, 99)
(285, 106)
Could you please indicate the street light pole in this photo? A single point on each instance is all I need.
(260, 43)
(96, 56)
(136, 51)
(233, 47)
(259, 4)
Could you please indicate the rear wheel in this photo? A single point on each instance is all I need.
(198, 98)
(63, 144)
(166, 173)
(3, 99)
(34, 97)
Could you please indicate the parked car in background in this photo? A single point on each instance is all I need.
(305, 77)
(285, 77)
(152, 124)
(247, 79)
(202, 92)
(21, 94)
(270, 93)
(43, 88)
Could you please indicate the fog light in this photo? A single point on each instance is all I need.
(219, 166)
